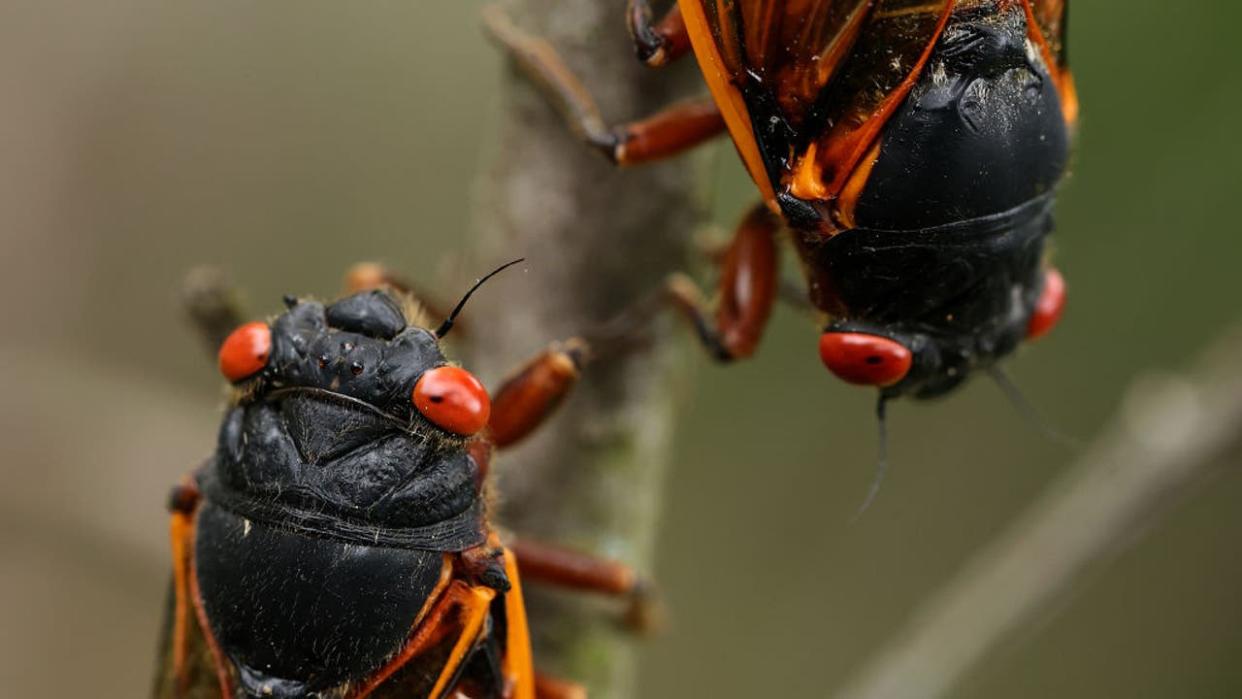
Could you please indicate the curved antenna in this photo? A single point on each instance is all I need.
(447, 325)
(1028, 411)
(881, 466)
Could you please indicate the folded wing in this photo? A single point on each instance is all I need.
(806, 84)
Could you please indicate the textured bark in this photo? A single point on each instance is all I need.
(596, 238)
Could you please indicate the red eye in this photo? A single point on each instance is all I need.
(868, 360)
(245, 351)
(453, 399)
(1049, 307)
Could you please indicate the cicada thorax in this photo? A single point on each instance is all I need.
(333, 510)
(330, 442)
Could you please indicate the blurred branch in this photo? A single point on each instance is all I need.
(212, 304)
(1171, 431)
(596, 238)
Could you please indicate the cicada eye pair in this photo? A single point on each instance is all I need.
(872, 360)
(450, 397)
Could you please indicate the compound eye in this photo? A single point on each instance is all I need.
(1049, 307)
(452, 399)
(867, 360)
(245, 351)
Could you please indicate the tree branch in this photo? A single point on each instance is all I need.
(1170, 433)
(596, 239)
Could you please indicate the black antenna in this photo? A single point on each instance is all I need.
(1028, 411)
(881, 466)
(447, 325)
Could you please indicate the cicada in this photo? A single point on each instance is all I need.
(337, 543)
(913, 149)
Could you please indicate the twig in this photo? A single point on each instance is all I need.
(596, 238)
(1170, 433)
(212, 305)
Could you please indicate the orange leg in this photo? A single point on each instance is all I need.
(748, 285)
(553, 565)
(660, 43)
(662, 135)
(528, 397)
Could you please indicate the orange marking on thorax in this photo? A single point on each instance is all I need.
(807, 181)
(853, 189)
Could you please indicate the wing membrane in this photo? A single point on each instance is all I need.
(790, 46)
(1050, 16)
(1048, 22)
(805, 79)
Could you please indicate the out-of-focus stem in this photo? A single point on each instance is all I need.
(596, 239)
(1171, 432)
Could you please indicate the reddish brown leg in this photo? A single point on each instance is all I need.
(521, 404)
(672, 131)
(667, 133)
(572, 569)
(790, 291)
(553, 565)
(555, 688)
(529, 396)
(748, 288)
(748, 283)
(660, 43)
(365, 276)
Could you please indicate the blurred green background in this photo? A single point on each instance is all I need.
(282, 140)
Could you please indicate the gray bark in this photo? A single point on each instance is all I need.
(596, 239)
